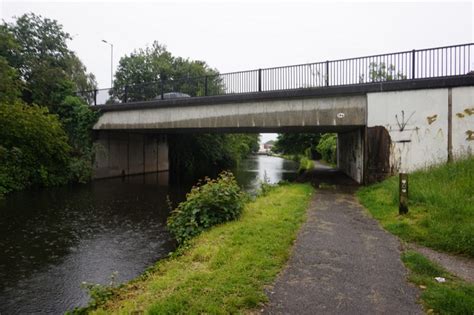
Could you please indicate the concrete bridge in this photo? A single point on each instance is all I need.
(385, 125)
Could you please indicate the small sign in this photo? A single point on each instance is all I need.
(340, 115)
(403, 194)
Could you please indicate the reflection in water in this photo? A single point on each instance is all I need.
(51, 240)
(252, 171)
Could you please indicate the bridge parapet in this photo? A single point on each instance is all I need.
(412, 65)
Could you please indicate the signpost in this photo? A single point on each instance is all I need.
(403, 194)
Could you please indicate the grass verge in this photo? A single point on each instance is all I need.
(451, 297)
(305, 163)
(224, 270)
(441, 207)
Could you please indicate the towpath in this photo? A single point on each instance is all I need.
(343, 262)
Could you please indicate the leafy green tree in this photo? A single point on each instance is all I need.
(33, 147)
(296, 143)
(77, 119)
(142, 70)
(41, 146)
(327, 147)
(10, 84)
(49, 70)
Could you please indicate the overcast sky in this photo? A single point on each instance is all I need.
(235, 35)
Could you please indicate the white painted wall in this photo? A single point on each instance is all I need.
(463, 121)
(417, 122)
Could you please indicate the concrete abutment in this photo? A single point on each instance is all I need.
(129, 153)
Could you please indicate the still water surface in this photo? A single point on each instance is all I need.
(51, 240)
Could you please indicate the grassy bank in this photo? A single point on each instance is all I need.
(451, 297)
(441, 207)
(305, 163)
(226, 268)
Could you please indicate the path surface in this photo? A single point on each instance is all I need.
(460, 266)
(343, 263)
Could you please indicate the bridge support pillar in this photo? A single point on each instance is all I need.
(127, 153)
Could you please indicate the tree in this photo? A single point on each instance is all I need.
(379, 72)
(327, 147)
(296, 143)
(10, 84)
(38, 145)
(33, 147)
(49, 70)
(145, 70)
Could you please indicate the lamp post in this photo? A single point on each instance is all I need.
(111, 62)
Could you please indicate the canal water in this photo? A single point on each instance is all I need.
(52, 240)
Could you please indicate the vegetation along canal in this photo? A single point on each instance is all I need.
(52, 240)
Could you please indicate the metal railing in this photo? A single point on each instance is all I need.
(406, 65)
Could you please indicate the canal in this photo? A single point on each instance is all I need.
(52, 240)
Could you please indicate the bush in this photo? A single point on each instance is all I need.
(209, 203)
(78, 119)
(33, 148)
(327, 147)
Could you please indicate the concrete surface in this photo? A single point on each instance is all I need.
(326, 111)
(342, 263)
(126, 153)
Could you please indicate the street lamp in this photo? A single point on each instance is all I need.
(111, 62)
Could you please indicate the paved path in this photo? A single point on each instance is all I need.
(462, 267)
(343, 263)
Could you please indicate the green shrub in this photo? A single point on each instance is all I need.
(33, 148)
(78, 119)
(306, 164)
(209, 203)
(327, 147)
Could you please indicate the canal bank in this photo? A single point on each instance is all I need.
(225, 269)
(55, 239)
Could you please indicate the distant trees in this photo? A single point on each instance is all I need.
(307, 145)
(296, 143)
(327, 147)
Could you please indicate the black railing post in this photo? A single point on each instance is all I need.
(327, 72)
(205, 86)
(162, 89)
(413, 64)
(260, 80)
(125, 94)
(95, 97)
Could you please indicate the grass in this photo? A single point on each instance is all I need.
(226, 268)
(451, 297)
(306, 164)
(441, 207)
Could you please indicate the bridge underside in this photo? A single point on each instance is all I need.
(132, 136)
